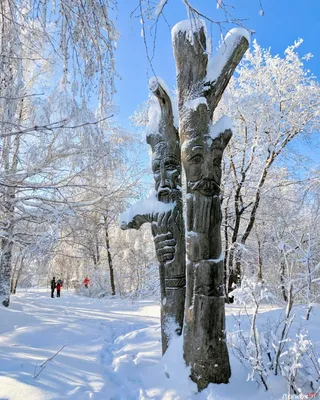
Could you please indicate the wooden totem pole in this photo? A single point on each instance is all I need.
(164, 211)
(200, 86)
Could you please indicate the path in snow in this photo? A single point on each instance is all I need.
(36, 326)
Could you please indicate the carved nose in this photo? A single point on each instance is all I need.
(162, 177)
(208, 169)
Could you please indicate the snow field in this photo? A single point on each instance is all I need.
(112, 352)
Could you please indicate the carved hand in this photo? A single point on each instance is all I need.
(165, 246)
(164, 238)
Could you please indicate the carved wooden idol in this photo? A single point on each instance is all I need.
(202, 144)
(200, 85)
(164, 212)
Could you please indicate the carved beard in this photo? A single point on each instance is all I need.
(206, 213)
(206, 186)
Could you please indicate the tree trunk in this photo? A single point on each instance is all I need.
(226, 251)
(10, 85)
(12, 284)
(18, 274)
(6, 248)
(110, 263)
(202, 146)
(13, 276)
(15, 285)
(259, 260)
(234, 267)
(282, 280)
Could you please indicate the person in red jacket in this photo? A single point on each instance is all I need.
(59, 286)
(86, 282)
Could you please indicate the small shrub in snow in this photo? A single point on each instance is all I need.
(267, 348)
(299, 365)
(250, 347)
(99, 285)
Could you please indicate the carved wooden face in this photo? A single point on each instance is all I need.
(166, 172)
(202, 161)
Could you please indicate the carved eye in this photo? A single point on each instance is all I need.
(156, 169)
(196, 159)
(171, 167)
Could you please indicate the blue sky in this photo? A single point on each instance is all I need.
(284, 21)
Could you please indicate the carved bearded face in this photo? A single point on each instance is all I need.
(166, 171)
(202, 161)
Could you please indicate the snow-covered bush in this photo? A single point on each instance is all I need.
(99, 285)
(270, 347)
(151, 287)
(300, 365)
(249, 345)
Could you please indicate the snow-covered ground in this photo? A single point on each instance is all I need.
(112, 352)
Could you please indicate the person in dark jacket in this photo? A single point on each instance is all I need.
(53, 286)
(59, 286)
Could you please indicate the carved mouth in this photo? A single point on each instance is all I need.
(164, 195)
(207, 187)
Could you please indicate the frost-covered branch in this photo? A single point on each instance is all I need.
(63, 124)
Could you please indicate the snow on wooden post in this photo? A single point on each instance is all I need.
(164, 211)
(200, 86)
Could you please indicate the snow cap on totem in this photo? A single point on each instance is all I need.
(161, 133)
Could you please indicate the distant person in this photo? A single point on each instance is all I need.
(86, 282)
(59, 286)
(53, 286)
